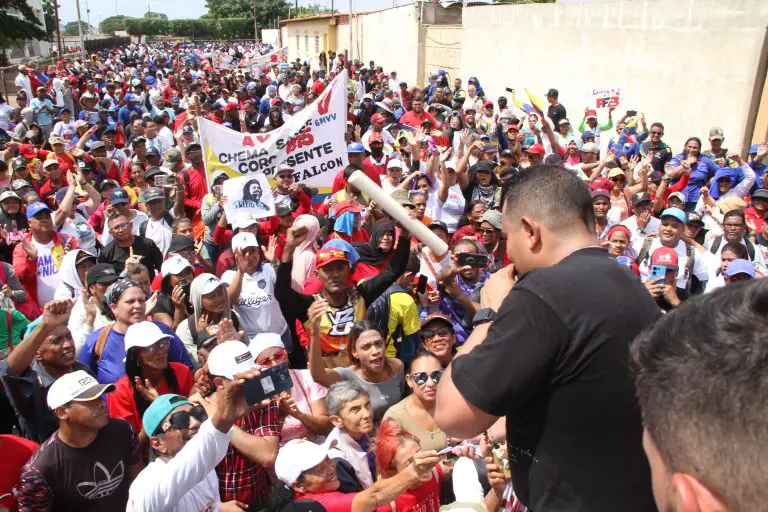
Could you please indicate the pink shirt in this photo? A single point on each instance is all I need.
(304, 392)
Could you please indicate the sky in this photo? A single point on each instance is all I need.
(101, 9)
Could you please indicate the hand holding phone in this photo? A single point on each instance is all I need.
(272, 381)
(471, 259)
(657, 271)
(422, 286)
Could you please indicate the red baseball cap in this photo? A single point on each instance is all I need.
(378, 118)
(664, 256)
(28, 151)
(275, 101)
(230, 106)
(535, 149)
(329, 255)
(347, 206)
(591, 113)
(488, 104)
(603, 183)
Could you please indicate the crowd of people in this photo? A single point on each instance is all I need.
(496, 376)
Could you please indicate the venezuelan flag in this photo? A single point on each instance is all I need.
(537, 102)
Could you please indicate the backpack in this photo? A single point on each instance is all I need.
(167, 217)
(689, 250)
(719, 240)
(378, 314)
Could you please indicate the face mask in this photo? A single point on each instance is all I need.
(377, 152)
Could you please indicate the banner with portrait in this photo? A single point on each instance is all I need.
(248, 194)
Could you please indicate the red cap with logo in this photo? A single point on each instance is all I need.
(535, 149)
(28, 151)
(329, 255)
(664, 256)
(378, 118)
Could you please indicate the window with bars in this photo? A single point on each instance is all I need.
(317, 44)
(306, 44)
(298, 45)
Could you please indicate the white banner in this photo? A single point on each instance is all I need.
(605, 97)
(273, 57)
(248, 194)
(311, 142)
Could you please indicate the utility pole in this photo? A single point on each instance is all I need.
(351, 15)
(88, 15)
(58, 27)
(255, 28)
(80, 28)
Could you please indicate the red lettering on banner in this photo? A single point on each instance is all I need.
(322, 105)
(302, 139)
(263, 138)
(247, 141)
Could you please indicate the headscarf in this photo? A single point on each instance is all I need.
(195, 292)
(345, 223)
(369, 251)
(304, 255)
(723, 172)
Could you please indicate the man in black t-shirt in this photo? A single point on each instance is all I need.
(554, 359)
(555, 111)
(90, 462)
(125, 244)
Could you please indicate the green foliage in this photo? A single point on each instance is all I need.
(155, 16)
(18, 29)
(70, 29)
(50, 19)
(223, 28)
(109, 25)
(306, 11)
(266, 10)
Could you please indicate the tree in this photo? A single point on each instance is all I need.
(50, 19)
(20, 28)
(70, 29)
(109, 25)
(306, 11)
(155, 16)
(266, 10)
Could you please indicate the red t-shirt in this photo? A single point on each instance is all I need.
(425, 498)
(752, 215)
(16, 452)
(122, 405)
(337, 501)
(413, 119)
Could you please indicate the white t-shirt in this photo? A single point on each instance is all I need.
(699, 263)
(79, 228)
(160, 232)
(48, 277)
(64, 130)
(631, 224)
(451, 210)
(257, 307)
(5, 116)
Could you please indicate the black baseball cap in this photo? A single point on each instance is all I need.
(180, 242)
(101, 273)
(438, 224)
(640, 197)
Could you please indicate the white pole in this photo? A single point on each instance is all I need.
(350, 31)
(80, 28)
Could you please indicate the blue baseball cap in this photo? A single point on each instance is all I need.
(740, 267)
(130, 98)
(355, 147)
(36, 208)
(588, 134)
(753, 148)
(61, 193)
(118, 196)
(676, 213)
(150, 80)
(161, 407)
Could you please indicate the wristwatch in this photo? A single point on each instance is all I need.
(483, 316)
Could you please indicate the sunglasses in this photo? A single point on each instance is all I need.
(488, 231)
(158, 346)
(442, 331)
(617, 179)
(181, 419)
(420, 378)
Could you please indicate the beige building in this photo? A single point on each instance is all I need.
(307, 37)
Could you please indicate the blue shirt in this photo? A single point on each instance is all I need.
(701, 172)
(124, 114)
(264, 105)
(112, 364)
(43, 117)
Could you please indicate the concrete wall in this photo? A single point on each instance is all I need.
(689, 63)
(313, 37)
(443, 49)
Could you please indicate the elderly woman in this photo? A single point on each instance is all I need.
(303, 412)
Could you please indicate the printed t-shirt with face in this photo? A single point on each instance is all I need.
(257, 307)
(48, 263)
(59, 477)
(336, 324)
(79, 228)
(699, 263)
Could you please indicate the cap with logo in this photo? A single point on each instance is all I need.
(535, 149)
(640, 197)
(355, 147)
(143, 335)
(101, 273)
(18, 163)
(664, 256)
(118, 196)
(677, 195)
(694, 218)
(328, 255)
(439, 317)
(244, 240)
(716, 133)
(229, 358)
(9, 194)
(161, 407)
(77, 386)
(152, 194)
(175, 265)
(35, 208)
(244, 220)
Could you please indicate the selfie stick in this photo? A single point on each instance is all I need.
(385, 202)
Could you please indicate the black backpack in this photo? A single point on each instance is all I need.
(719, 240)
(690, 252)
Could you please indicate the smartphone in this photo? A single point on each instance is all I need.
(473, 260)
(631, 113)
(164, 181)
(448, 452)
(422, 286)
(509, 89)
(272, 381)
(657, 271)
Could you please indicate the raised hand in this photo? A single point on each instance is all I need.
(146, 389)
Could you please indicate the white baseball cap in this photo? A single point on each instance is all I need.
(297, 456)
(264, 340)
(8, 194)
(50, 162)
(175, 265)
(451, 164)
(395, 164)
(209, 283)
(678, 195)
(229, 358)
(242, 240)
(244, 220)
(143, 334)
(77, 386)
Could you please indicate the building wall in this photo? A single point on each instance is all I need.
(313, 37)
(443, 49)
(688, 63)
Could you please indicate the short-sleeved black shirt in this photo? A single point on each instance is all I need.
(142, 246)
(555, 363)
(556, 113)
